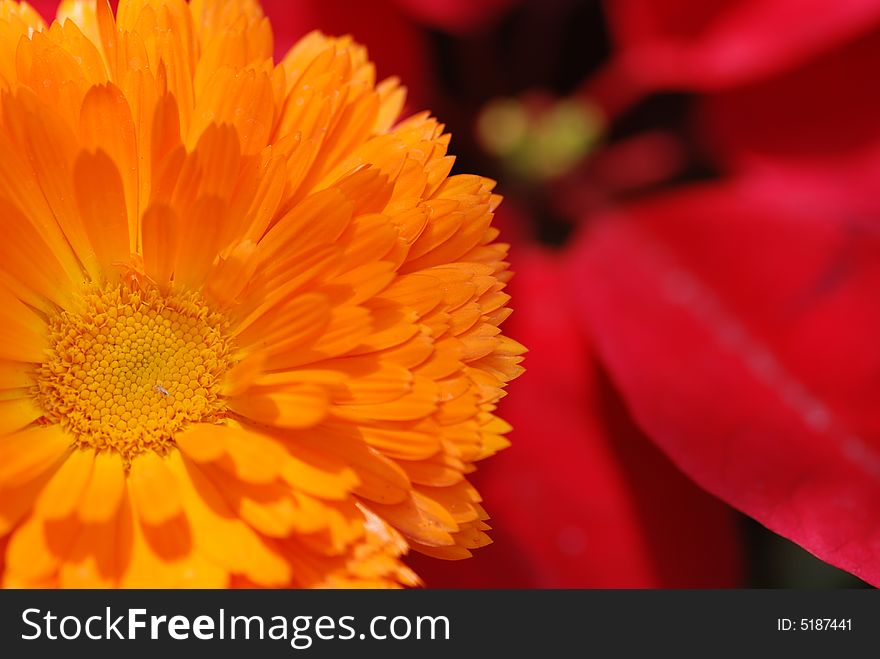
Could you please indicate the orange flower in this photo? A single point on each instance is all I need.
(248, 322)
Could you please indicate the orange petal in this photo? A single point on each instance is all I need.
(421, 519)
(153, 489)
(380, 479)
(98, 557)
(83, 13)
(30, 267)
(16, 414)
(405, 441)
(255, 458)
(241, 377)
(290, 322)
(63, 492)
(200, 236)
(36, 547)
(159, 236)
(50, 147)
(105, 123)
(272, 509)
(294, 407)
(202, 442)
(450, 553)
(14, 374)
(418, 403)
(30, 452)
(241, 98)
(460, 501)
(439, 471)
(101, 202)
(17, 502)
(104, 492)
(319, 475)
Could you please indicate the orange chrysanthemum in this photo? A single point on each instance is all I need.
(248, 322)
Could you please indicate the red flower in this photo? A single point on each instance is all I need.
(583, 499)
(717, 44)
(740, 321)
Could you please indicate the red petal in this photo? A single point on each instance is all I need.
(741, 328)
(715, 44)
(817, 124)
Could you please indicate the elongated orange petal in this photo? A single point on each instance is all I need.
(103, 495)
(30, 268)
(199, 239)
(294, 407)
(100, 553)
(159, 229)
(23, 334)
(106, 123)
(101, 202)
(37, 547)
(17, 502)
(14, 374)
(420, 518)
(154, 489)
(64, 491)
(202, 442)
(30, 452)
(16, 414)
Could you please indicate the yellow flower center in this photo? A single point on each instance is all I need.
(132, 367)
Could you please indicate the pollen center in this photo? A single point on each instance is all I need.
(132, 367)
